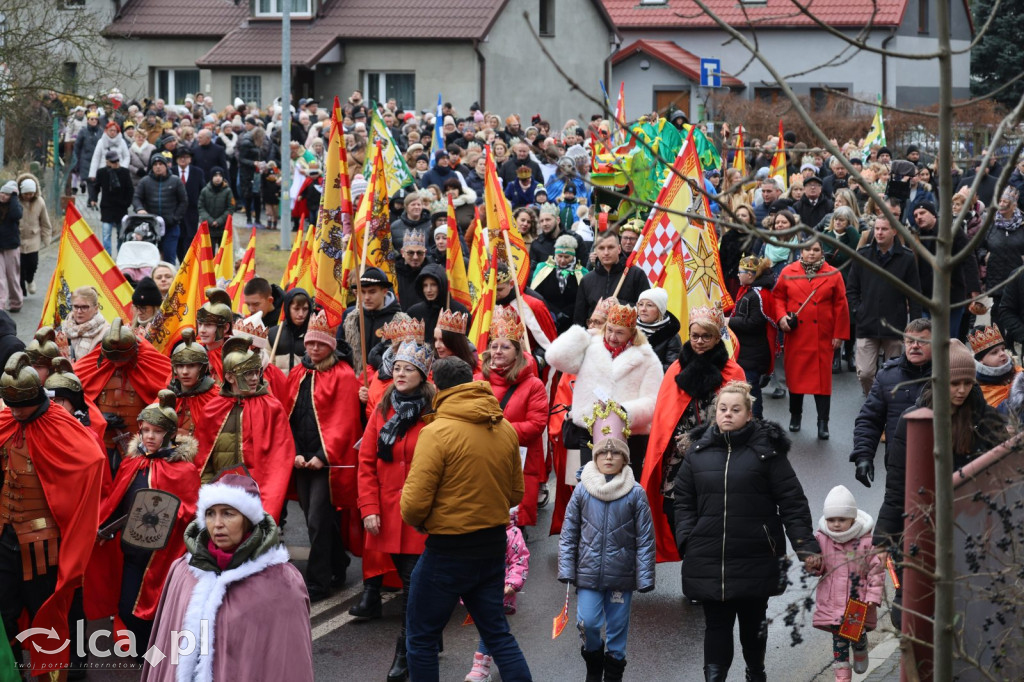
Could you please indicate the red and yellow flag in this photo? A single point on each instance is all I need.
(82, 261)
(455, 266)
(246, 271)
(224, 261)
(371, 235)
(483, 313)
(304, 276)
(740, 159)
(498, 216)
(777, 169)
(291, 270)
(333, 224)
(478, 264)
(186, 295)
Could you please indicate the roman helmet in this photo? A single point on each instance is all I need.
(63, 383)
(239, 359)
(216, 310)
(189, 351)
(162, 415)
(42, 350)
(19, 384)
(119, 345)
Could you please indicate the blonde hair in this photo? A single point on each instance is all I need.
(513, 372)
(88, 293)
(740, 388)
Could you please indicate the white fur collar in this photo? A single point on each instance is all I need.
(207, 596)
(604, 490)
(862, 525)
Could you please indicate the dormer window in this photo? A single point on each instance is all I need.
(272, 8)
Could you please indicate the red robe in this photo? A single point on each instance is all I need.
(539, 323)
(336, 408)
(70, 464)
(826, 316)
(148, 375)
(671, 404)
(268, 449)
(216, 362)
(771, 329)
(194, 406)
(560, 406)
(103, 577)
(278, 382)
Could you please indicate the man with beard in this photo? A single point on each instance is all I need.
(192, 383)
(558, 279)
(247, 426)
(213, 322)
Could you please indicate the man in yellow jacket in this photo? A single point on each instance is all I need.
(466, 473)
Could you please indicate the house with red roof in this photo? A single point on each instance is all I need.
(409, 50)
(665, 41)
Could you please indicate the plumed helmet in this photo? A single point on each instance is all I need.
(63, 383)
(43, 349)
(217, 309)
(239, 358)
(20, 385)
(120, 344)
(161, 413)
(189, 351)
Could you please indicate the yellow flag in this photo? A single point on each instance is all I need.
(291, 270)
(455, 266)
(82, 261)
(333, 224)
(483, 313)
(305, 277)
(224, 261)
(186, 295)
(246, 271)
(372, 223)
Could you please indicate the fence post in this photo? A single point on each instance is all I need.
(919, 542)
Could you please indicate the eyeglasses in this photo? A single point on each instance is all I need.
(702, 337)
(81, 307)
(610, 454)
(594, 322)
(416, 252)
(916, 342)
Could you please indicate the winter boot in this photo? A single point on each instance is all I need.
(369, 605)
(595, 663)
(844, 674)
(794, 421)
(399, 667)
(758, 675)
(860, 657)
(837, 361)
(716, 673)
(822, 429)
(481, 671)
(613, 668)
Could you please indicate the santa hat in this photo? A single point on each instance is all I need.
(234, 490)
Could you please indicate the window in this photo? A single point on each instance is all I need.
(821, 98)
(922, 16)
(653, 2)
(173, 84)
(247, 88)
(272, 8)
(546, 25)
(381, 86)
(69, 77)
(767, 95)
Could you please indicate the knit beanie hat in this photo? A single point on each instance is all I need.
(658, 297)
(319, 330)
(840, 504)
(147, 293)
(961, 362)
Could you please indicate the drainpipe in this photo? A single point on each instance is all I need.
(919, 543)
(482, 62)
(885, 65)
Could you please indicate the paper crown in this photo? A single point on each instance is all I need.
(506, 325)
(254, 327)
(983, 338)
(504, 275)
(451, 321)
(406, 329)
(710, 315)
(635, 225)
(609, 427)
(415, 353)
(749, 263)
(320, 330)
(416, 238)
(604, 305)
(622, 315)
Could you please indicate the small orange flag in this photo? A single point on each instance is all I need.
(562, 618)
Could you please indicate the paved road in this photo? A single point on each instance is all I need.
(666, 631)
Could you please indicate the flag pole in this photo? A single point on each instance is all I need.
(273, 351)
(513, 268)
(671, 245)
(359, 305)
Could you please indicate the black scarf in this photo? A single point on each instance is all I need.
(407, 413)
(700, 375)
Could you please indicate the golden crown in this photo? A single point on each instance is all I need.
(318, 323)
(402, 330)
(415, 238)
(984, 338)
(506, 325)
(504, 275)
(253, 326)
(451, 321)
(711, 315)
(622, 315)
(749, 263)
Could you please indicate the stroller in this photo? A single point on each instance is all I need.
(138, 253)
(148, 228)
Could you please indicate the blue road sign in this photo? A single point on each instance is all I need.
(711, 73)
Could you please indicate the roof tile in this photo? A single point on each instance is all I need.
(173, 18)
(631, 14)
(674, 56)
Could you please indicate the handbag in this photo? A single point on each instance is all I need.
(854, 619)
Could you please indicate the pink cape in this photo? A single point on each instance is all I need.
(258, 616)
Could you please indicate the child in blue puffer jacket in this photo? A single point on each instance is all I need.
(607, 544)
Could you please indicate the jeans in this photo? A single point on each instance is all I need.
(719, 619)
(109, 231)
(438, 581)
(754, 379)
(603, 608)
(169, 244)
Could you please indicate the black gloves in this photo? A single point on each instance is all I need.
(115, 421)
(865, 472)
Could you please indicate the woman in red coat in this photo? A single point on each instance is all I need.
(812, 334)
(513, 378)
(385, 457)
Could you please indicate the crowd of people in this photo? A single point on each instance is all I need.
(429, 458)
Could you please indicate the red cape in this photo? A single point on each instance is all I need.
(267, 446)
(671, 403)
(336, 409)
(278, 382)
(195, 406)
(216, 362)
(150, 372)
(70, 464)
(560, 404)
(103, 577)
(771, 329)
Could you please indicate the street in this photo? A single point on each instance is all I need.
(667, 632)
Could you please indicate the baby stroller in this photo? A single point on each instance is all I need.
(148, 228)
(138, 253)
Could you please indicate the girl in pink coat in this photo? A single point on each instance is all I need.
(850, 567)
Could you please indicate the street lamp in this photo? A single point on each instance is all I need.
(286, 124)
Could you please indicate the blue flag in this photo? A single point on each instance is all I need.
(438, 132)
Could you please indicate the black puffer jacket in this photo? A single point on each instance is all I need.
(9, 341)
(600, 283)
(750, 322)
(734, 495)
(879, 309)
(291, 347)
(897, 387)
(665, 341)
(429, 311)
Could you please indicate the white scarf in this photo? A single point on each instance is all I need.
(607, 490)
(862, 525)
